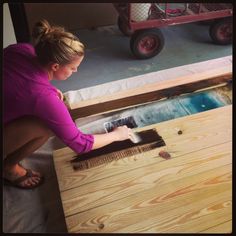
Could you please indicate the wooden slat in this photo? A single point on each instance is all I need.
(177, 145)
(225, 227)
(192, 218)
(159, 205)
(152, 92)
(197, 217)
(116, 187)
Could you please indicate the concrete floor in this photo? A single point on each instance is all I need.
(108, 58)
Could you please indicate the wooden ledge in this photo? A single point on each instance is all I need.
(152, 92)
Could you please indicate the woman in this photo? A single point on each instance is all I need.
(34, 109)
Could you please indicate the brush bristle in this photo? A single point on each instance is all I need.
(135, 137)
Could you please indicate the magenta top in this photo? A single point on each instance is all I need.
(27, 91)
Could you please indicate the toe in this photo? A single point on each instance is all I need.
(35, 180)
(36, 174)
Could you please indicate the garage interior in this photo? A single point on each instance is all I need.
(109, 67)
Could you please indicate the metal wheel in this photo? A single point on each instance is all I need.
(221, 31)
(123, 27)
(146, 43)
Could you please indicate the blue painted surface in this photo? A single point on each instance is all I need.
(177, 107)
(158, 112)
(164, 110)
(201, 102)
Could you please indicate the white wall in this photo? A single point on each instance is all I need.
(8, 29)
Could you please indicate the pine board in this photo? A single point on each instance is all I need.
(221, 228)
(191, 192)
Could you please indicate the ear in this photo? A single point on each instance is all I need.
(54, 66)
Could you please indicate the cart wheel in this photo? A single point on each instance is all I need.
(146, 43)
(221, 31)
(123, 27)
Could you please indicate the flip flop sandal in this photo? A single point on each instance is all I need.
(37, 175)
(28, 174)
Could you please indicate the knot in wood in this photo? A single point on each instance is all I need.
(180, 132)
(164, 155)
(101, 226)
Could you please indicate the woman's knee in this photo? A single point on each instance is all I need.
(48, 133)
(28, 127)
(23, 130)
(43, 129)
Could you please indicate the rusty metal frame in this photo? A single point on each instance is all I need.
(168, 21)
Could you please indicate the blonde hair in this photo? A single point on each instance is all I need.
(55, 45)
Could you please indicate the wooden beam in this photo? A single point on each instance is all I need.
(152, 92)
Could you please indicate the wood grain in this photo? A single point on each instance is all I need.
(116, 187)
(189, 193)
(175, 145)
(225, 227)
(158, 205)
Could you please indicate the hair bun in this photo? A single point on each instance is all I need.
(54, 44)
(40, 29)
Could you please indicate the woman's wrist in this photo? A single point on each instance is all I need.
(113, 136)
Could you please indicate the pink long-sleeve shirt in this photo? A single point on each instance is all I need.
(27, 91)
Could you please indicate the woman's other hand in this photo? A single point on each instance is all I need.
(60, 94)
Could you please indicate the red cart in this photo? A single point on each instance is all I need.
(141, 21)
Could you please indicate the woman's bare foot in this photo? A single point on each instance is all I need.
(12, 173)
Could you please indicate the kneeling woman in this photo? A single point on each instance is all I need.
(34, 109)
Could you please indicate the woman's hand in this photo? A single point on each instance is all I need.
(119, 134)
(122, 133)
(60, 94)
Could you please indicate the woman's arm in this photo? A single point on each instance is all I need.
(55, 114)
(119, 134)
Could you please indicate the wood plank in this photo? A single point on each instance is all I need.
(150, 208)
(177, 145)
(205, 118)
(225, 227)
(196, 218)
(152, 92)
(113, 188)
(68, 178)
